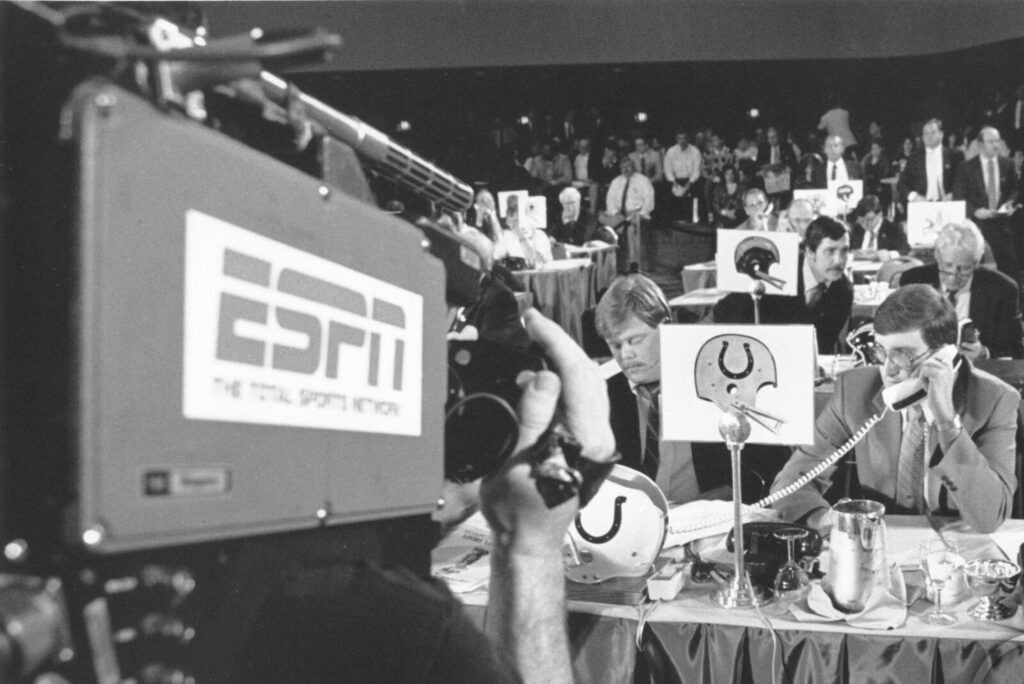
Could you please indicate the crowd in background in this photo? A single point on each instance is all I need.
(544, 153)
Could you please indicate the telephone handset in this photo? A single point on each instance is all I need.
(911, 390)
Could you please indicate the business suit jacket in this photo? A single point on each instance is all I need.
(828, 319)
(969, 184)
(973, 477)
(890, 236)
(712, 467)
(914, 177)
(820, 170)
(994, 309)
(786, 154)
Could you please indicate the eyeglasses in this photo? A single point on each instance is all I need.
(959, 271)
(900, 358)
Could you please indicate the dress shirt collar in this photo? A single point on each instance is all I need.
(810, 282)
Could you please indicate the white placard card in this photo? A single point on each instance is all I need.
(742, 253)
(765, 370)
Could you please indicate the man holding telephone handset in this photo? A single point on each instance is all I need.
(950, 453)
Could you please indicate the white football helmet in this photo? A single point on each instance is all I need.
(619, 533)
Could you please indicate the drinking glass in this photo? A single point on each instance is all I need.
(791, 579)
(938, 560)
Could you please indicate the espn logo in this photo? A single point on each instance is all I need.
(325, 339)
(279, 336)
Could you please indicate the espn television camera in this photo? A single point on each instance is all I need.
(216, 368)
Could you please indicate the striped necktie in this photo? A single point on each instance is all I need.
(651, 394)
(910, 474)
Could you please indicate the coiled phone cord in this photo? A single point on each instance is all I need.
(796, 485)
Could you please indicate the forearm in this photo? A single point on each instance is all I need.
(978, 476)
(526, 617)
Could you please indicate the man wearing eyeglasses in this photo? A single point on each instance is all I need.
(987, 297)
(952, 453)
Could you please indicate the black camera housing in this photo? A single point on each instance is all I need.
(481, 427)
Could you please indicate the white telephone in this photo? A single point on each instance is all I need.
(912, 390)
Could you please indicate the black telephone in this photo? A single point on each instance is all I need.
(764, 553)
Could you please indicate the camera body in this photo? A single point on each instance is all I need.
(481, 427)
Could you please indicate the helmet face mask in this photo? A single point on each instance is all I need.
(862, 341)
(620, 532)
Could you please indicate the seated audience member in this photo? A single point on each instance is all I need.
(485, 215)
(876, 166)
(986, 296)
(759, 211)
(968, 418)
(824, 296)
(775, 151)
(586, 172)
(716, 158)
(363, 623)
(647, 161)
(745, 150)
(521, 240)
(608, 169)
(797, 217)
(552, 171)
(629, 317)
(834, 167)
(777, 155)
(577, 226)
(873, 233)
(628, 206)
(727, 199)
(507, 173)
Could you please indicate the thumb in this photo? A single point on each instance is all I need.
(537, 406)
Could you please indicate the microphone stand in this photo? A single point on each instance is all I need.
(738, 592)
(756, 291)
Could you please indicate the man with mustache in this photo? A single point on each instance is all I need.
(628, 317)
(824, 294)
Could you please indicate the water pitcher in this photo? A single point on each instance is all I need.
(857, 553)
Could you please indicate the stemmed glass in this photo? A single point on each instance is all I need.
(791, 579)
(938, 560)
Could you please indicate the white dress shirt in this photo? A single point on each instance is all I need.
(995, 181)
(683, 165)
(579, 166)
(639, 195)
(933, 171)
(963, 300)
(840, 171)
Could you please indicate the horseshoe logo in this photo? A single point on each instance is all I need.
(612, 531)
(728, 373)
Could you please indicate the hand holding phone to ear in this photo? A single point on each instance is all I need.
(969, 342)
(938, 375)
